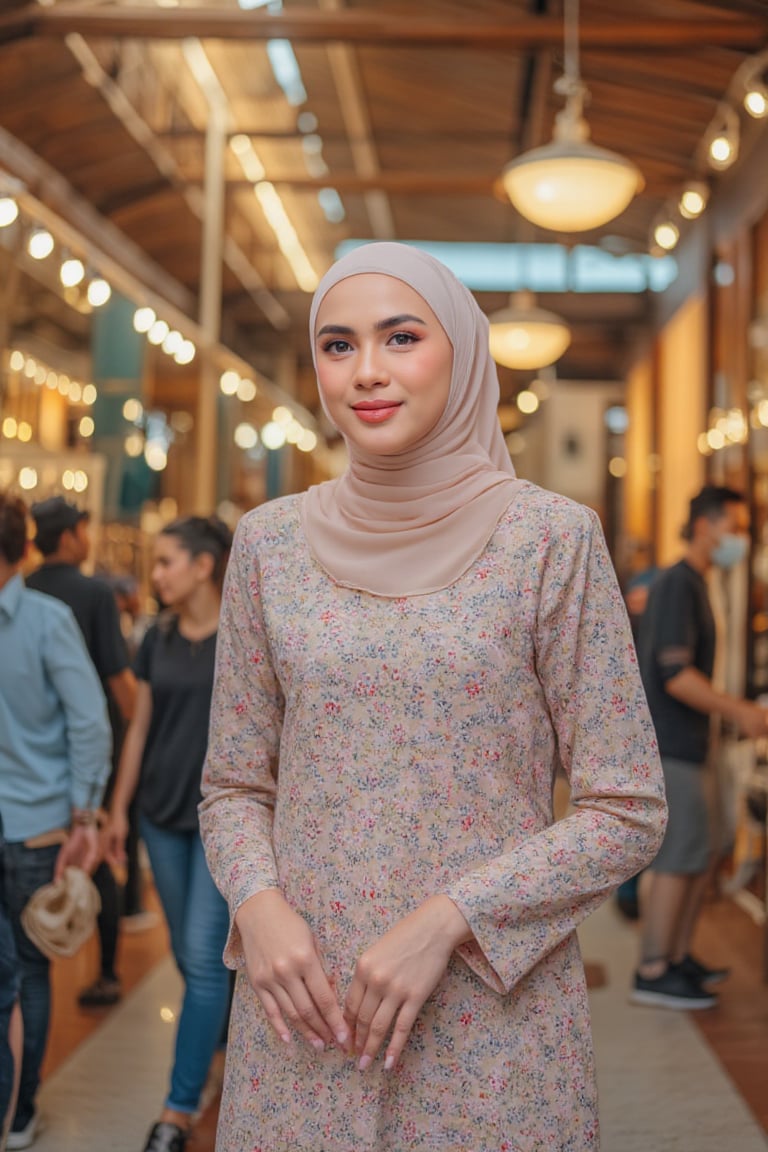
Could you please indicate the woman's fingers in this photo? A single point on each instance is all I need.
(296, 1007)
(274, 1015)
(397, 973)
(324, 998)
(301, 998)
(286, 972)
(406, 1018)
(291, 1005)
(374, 1021)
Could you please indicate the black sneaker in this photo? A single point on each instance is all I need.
(103, 994)
(165, 1137)
(695, 970)
(671, 990)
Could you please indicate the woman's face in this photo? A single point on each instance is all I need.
(384, 363)
(175, 572)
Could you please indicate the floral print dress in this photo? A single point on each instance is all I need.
(366, 753)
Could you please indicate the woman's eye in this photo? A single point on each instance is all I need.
(336, 347)
(400, 339)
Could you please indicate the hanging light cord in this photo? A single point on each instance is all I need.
(569, 122)
(571, 44)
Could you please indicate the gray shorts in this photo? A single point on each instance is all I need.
(687, 845)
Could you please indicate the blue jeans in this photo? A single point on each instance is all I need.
(198, 922)
(24, 870)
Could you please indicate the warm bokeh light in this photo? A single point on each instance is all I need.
(158, 332)
(143, 319)
(246, 390)
(273, 435)
(9, 211)
(72, 272)
(246, 436)
(229, 382)
(99, 292)
(527, 402)
(132, 410)
(666, 235)
(134, 444)
(40, 244)
(28, 479)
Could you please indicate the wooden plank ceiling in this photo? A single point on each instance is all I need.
(418, 109)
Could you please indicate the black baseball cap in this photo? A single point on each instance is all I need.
(54, 516)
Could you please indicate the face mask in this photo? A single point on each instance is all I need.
(730, 551)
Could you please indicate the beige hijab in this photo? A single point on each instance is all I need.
(413, 523)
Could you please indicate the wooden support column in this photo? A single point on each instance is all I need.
(210, 307)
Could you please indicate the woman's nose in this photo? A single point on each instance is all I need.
(370, 369)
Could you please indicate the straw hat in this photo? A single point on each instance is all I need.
(59, 917)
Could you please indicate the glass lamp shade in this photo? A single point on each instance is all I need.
(570, 185)
(525, 337)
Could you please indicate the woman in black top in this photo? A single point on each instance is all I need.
(163, 757)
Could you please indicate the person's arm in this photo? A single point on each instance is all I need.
(128, 772)
(691, 687)
(239, 787)
(124, 689)
(89, 738)
(110, 653)
(524, 903)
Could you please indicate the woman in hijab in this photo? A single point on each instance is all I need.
(406, 655)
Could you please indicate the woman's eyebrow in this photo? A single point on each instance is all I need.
(379, 326)
(335, 330)
(394, 321)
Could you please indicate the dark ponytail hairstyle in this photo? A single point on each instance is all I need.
(203, 534)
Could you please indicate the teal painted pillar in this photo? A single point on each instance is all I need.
(274, 466)
(117, 353)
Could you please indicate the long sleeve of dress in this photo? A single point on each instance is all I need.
(239, 777)
(522, 904)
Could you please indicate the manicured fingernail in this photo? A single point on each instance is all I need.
(389, 1063)
(364, 1062)
(285, 1037)
(342, 1037)
(318, 1045)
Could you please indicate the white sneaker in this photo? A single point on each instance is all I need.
(26, 1137)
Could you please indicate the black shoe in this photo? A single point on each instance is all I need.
(166, 1137)
(103, 994)
(695, 970)
(671, 990)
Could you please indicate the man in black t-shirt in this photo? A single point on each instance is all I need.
(64, 540)
(676, 653)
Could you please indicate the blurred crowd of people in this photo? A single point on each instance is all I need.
(103, 732)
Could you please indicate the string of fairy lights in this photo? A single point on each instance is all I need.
(84, 287)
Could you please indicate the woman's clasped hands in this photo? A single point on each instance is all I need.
(392, 979)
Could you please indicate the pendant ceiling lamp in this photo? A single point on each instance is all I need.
(526, 337)
(571, 185)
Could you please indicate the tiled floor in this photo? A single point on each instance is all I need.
(668, 1082)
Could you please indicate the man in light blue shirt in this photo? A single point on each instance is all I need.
(54, 760)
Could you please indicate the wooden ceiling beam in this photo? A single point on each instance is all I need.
(310, 25)
(408, 184)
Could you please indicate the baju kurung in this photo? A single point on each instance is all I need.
(367, 752)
